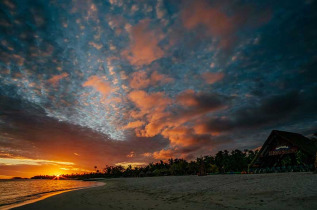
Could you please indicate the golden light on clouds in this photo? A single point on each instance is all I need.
(133, 164)
(25, 161)
(133, 82)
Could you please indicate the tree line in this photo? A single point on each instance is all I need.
(222, 162)
(236, 161)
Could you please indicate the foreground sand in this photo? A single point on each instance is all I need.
(263, 191)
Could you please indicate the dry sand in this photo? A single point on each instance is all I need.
(258, 191)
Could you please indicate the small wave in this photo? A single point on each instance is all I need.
(30, 198)
(36, 195)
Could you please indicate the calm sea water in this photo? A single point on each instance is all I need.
(18, 192)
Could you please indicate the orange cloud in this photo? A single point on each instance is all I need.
(152, 108)
(185, 136)
(131, 154)
(178, 136)
(146, 102)
(186, 98)
(141, 80)
(164, 154)
(134, 124)
(144, 42)
(99, 85)
(158, 120)
(154, 118)
(217, 23)
(55, 79)
(160, 78)
(203, 129)
(211, 78)
(147, 154)
(201, 102)
(133, 164)
(201, 13)
(173, 152)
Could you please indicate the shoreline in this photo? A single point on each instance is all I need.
(19, 204)
(254, 191)
(45, 196)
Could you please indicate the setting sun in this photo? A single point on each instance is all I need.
(57, 177)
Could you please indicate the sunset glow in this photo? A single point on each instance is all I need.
(114, 82)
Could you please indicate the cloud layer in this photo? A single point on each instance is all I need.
(109, 82)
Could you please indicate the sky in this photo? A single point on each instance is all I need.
(87, 83)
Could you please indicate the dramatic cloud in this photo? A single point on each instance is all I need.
(31, 134)
(148, 103)
(195, 104)
(170, 123)
(144, 44)
(98, 84)
(134, 124)
(164, 154)
(131, 82)
(140, 79)
(203, 100)
(272, 110)
(218, 23)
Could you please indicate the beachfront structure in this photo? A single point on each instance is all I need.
(285, 149)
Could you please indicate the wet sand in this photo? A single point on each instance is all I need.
(258, 191)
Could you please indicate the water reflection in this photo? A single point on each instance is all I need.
(19, 191)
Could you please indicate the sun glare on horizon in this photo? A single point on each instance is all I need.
(57, 177)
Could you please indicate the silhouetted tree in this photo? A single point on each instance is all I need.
(222, 162)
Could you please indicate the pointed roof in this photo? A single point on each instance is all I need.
(303, 143)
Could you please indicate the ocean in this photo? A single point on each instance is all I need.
(15, 193)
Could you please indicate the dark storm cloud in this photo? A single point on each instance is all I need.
(271, 111)
(200, 103)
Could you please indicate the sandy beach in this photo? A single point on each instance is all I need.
(260, 191)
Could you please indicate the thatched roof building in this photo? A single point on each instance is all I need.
(281, 144)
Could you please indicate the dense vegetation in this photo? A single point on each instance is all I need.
(235, 161)
(223, 161)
